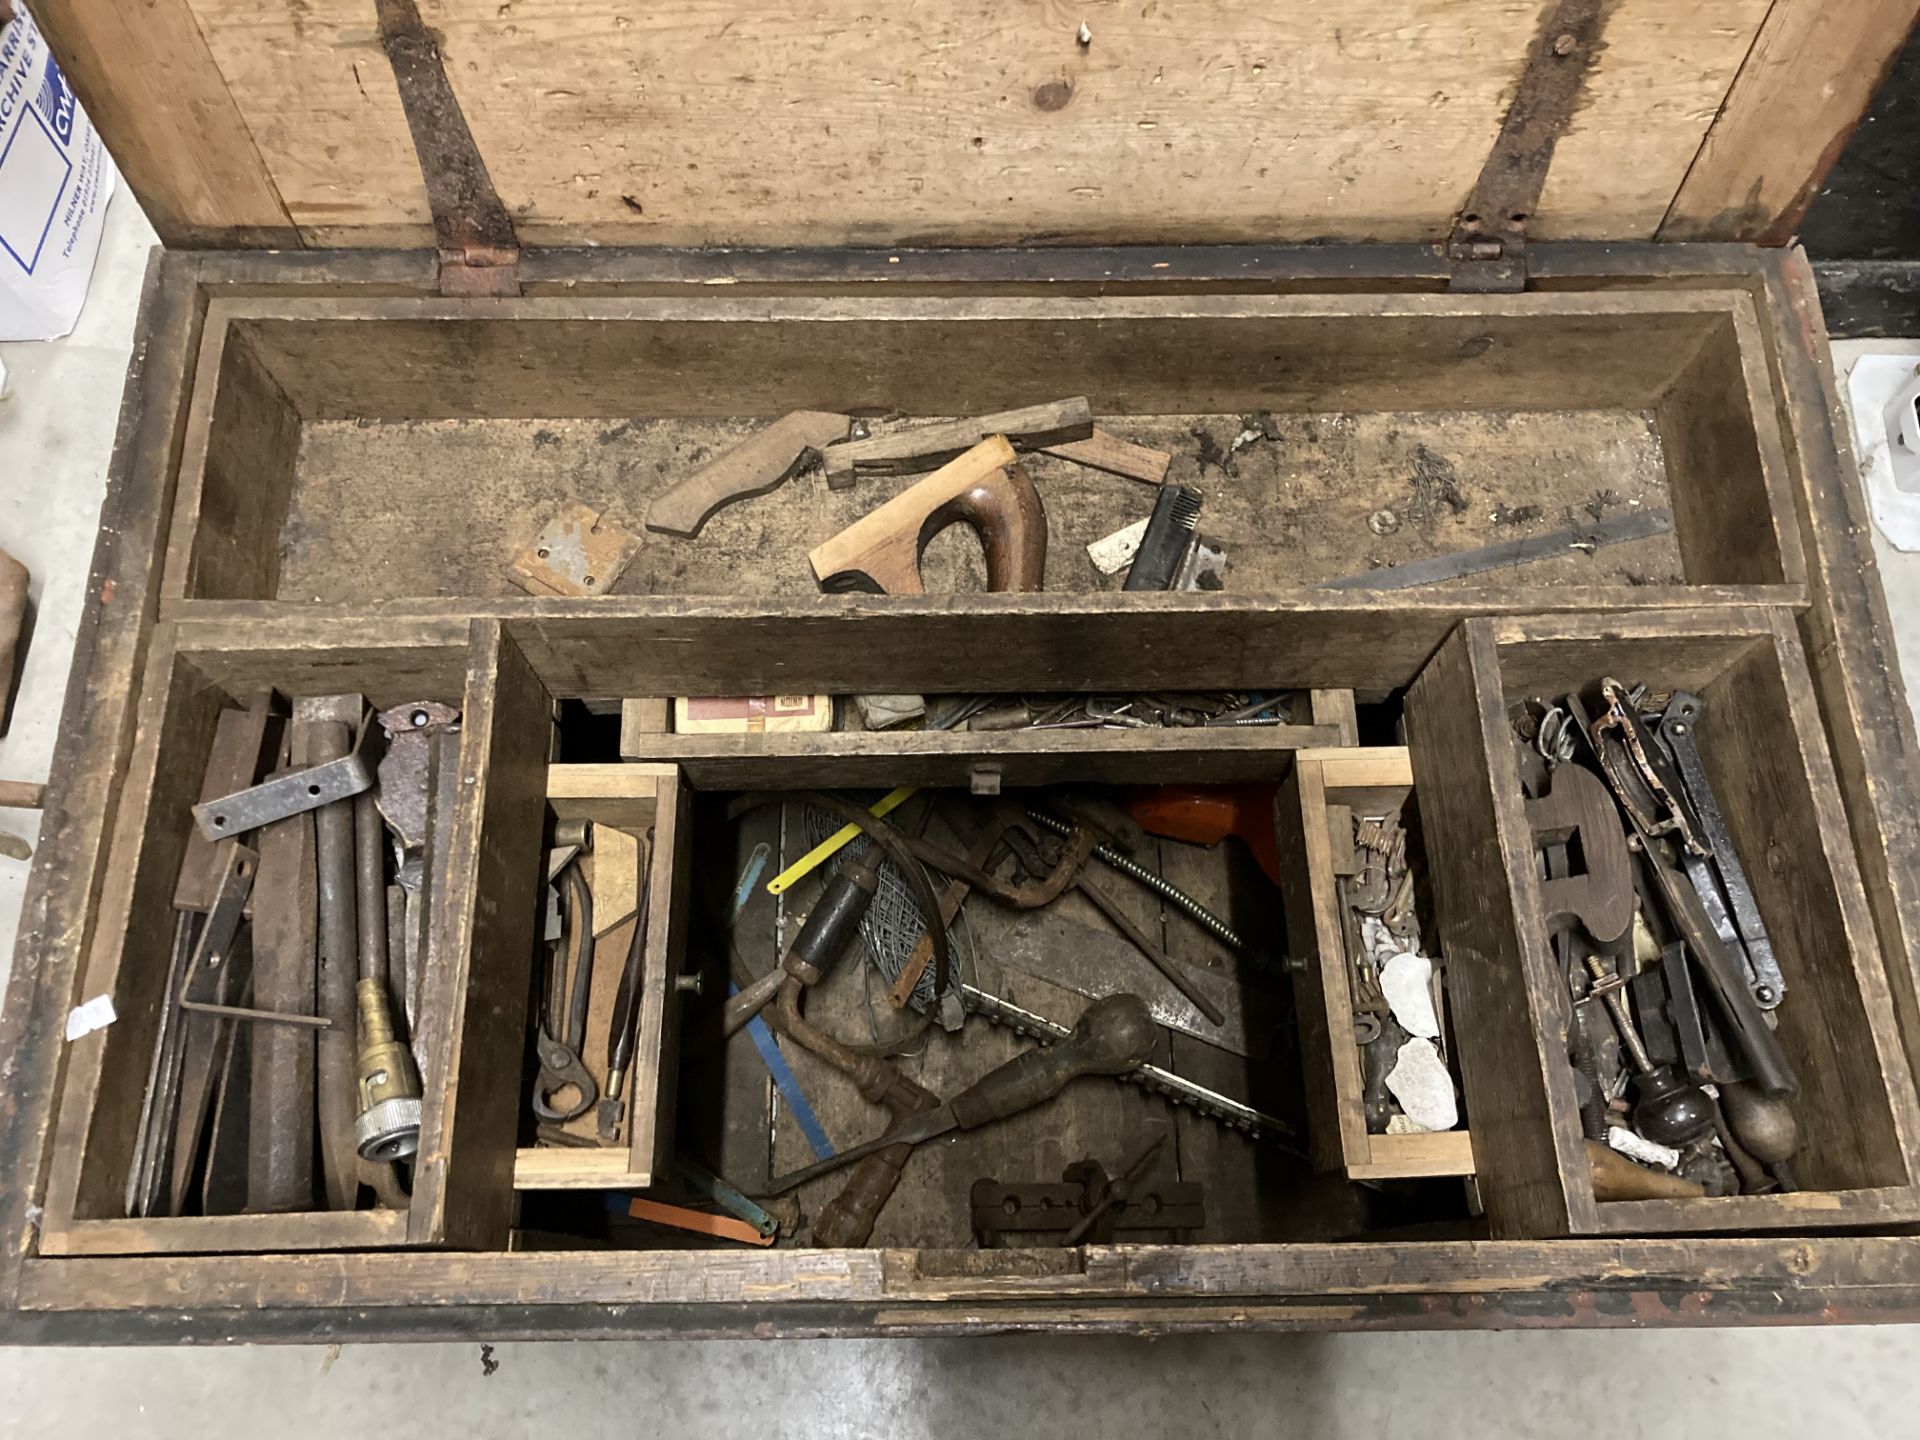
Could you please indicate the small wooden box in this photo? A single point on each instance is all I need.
(639, 799)
(194, 671)
(1325, 785)
(1765, 752)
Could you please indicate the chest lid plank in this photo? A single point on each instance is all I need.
(706, 122)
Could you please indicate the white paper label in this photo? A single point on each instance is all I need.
(95, 1014)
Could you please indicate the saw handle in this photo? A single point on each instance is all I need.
(1005, 511)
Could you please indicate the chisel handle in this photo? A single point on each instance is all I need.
(1114, 1035)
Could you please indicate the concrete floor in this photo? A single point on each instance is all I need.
(56, 433)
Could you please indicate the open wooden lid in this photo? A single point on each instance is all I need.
(835, 123)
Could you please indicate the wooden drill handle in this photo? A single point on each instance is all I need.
(1006, 511)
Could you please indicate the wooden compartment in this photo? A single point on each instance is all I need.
(1325, 789)
(1052, 962)
(983, 761)
(637, 799)
(319, 430)
(460, 1196)
(1765, 752)
(1402, 427)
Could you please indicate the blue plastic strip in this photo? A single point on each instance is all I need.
(788, 1085)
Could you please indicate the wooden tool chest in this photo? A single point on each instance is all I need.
(432, 277)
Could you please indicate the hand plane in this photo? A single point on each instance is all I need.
(984, 488)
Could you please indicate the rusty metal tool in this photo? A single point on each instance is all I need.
(246, 745)
(415, 795)
(1169, 535)
(1579, 809)
(984, 488)
(999, 1209)
(1640, 769)
(1585, 539)
(626, 1004)
(386, 1124)
(1744, 930)
(830, 927)
(1668, 1110)
(323, 728)
(281, 1100)
(159, 1103)
(1118, 1192)
(563, 1014)
(1159, 884)
(1651, 795)
(1224, 1109)
(216, 975)
(1744, 1021)
(1170, 969)
(1114, 1035)
(323, 783)
(836, 842)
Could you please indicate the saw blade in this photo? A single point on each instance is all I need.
(1222, 1108)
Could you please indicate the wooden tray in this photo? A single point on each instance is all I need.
(1763, 747)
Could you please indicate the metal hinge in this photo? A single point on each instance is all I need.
(1488, 247)
(479, 251)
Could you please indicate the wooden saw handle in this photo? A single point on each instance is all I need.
(983, 488)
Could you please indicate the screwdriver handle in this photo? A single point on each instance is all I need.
(1114, 1035)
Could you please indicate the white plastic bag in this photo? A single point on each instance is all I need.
(55, 180)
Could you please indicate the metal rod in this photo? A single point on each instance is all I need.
(1159, 884)
(339, 968)
(370, 886)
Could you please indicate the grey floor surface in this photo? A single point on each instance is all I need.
(56, 432)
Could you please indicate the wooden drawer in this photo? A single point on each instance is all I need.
(1766, 755)
(1325, 789)
(469, 1014)
(1400, 426)
(650, 801)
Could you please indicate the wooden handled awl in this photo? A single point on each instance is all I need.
(985, 488)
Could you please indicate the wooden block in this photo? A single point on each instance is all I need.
(925, 446)
(1401, 1157)
(1103, 451)
(622, 795)
(641, 718)
(762, 462)
(611, 870)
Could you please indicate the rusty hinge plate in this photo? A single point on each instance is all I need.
(479, 252)
(1488, 246)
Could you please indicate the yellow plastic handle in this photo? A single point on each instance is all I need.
(829, 847)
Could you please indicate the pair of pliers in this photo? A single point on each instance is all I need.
(560, 1065)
